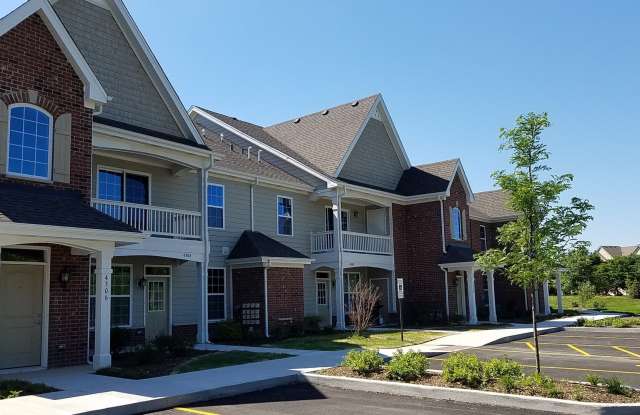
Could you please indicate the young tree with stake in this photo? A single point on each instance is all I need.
(534, 244)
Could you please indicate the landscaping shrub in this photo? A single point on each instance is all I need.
(407, 366)
(508, 383)
(311, 325)
(463, 368)
(495, 369)
(228, 330)
(593, 380)
(633, 287)
(586, 292)
(119, 340)
(14, 388)
(537, 384)
(363, 362)
(615, 386)
(176, 346)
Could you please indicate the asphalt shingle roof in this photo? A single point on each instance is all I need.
(427, 178)
(253, 244)
(23, 203)
(492, 204)
(616, 251)
(456, 254)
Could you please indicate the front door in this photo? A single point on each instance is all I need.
(157, 318)
(323, 298)
(20, 315)
(382, 284)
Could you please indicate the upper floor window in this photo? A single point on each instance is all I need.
(123, 186)
(30, 130)
(483, 238)
(344, 219)
(457, 230)
(285, 215)
(215, 206)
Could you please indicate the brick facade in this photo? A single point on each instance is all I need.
(286, 298)
(31, 60)
(248, 288)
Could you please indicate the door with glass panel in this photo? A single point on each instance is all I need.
(323, 297)
(157, 312)
(351, 280)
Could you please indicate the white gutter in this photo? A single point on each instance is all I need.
(251, 202)
(204, 177)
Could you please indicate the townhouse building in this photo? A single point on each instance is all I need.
(119, 208)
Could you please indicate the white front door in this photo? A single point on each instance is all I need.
(157, 318)
(21, 288)
(323, 298)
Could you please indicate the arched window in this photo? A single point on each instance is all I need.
(456, 224)
(30, 137)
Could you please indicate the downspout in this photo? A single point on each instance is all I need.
(444, 251)
(207, 246)
(251, 201)
(444, 246)
(266, 303)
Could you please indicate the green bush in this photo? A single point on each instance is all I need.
(508, 383)
(311, 325)
(407, 366)
(176, 346)
(633, 287)
(586, 292)
(593, 380)
(495, 369)
(537, 384)
(615, 386)
(363, 362)
(463, 368)
(228, 330)
(13, 388)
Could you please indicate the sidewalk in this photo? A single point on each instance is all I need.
(83, 392)
(478, 338)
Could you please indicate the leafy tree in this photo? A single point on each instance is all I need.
(580, 265)
(586, 293)
(535, 244)
(613, 275)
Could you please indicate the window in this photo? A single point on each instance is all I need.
(22, 255)
(155, 296)
(351, 279)
(483, 238)
(123, 186)
(456, 224)
(344, 218)
(215, 206)
(285, 216)
(120, 296)
(215, 294)
(321, 291)
(29, 140)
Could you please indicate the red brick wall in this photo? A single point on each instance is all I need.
(30, 59)
(248, 287)
(457, 198)
(68, 308)
(286, 297)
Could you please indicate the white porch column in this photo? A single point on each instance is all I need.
(545, 294)
(336, 206)
(102, 349)
(559, 291)
(471, 295)
(492, 297)
(203, 320)
(394, 285)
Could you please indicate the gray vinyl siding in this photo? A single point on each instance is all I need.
(186, 293)
(374, 160)
(357, 217)
(167, 189)
(309, 287)
(265, 155)
(135, 100)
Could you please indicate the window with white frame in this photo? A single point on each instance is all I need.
(351, 280)
(215, 205)
(215, 294)
(285, 215)
(344, 219)
(155, 296)
(457, 231)
(29, 150)
(483, 238)
(321, 292)
(120, 296)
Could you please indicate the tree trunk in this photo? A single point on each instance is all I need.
(535, 328)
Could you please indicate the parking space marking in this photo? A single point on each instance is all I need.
(622, 349)
(577, 349)
(591, 337)
(502, 350)
(531, 346)
(584, 345)
(195, 411)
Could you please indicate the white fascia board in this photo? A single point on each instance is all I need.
(330, 182)
(47, 231)
(152, 67)
(94, 93)
(159, 147)
(387, 196)
(395, 137)
(457, 265)
(271, 262)
(259, 180)
(498, 219)
(465, 182)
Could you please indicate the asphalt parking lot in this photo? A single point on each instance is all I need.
(574, 353)
(313, 400)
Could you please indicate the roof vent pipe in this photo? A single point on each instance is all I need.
(325, 112)
(297, 120)
(221, 137)
(259, 151)
(249, 152)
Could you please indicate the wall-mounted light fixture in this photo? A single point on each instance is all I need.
(141, 282)
(65, 276)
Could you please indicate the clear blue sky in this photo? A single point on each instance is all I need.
(451, 73)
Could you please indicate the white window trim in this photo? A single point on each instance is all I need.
(169, 286)
(460, 227)
(278, 197)
(324, 282)
(50, 150)
(483, 239)
(224, 295)
(124, 173)
(224, 203)
(130, 266)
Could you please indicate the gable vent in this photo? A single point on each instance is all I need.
(325, 112)
(355, 103)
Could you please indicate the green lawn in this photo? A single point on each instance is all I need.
(620, 304)
(616, 322)
(344, 340)
(214, 360)
(16, 388)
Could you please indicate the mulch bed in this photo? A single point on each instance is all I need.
(127, 366)
(568, 390)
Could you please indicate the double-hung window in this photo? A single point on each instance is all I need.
(457, 227)
(120, 296)
(215, 294)
(483, 238)
(285, 215)
(215, 206)
(30, 130)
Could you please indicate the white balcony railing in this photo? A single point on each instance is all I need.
(155, 220)
(352, 242)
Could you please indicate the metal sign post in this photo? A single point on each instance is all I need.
(400, 282)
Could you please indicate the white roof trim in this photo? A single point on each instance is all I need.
(281, 262)
(94, 94)
(258, 143)
(395, 137)
(27, 229)
(258, 179)
(153, 68)
(465, 182)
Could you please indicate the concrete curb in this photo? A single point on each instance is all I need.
(526, 335)
(504, 400)
(159, 404)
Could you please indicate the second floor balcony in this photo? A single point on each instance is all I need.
(355, 242)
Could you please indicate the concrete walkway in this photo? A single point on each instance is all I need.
(477, 338)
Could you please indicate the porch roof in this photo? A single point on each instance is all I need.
(39, 205)
(457, 254)
(256, 244)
